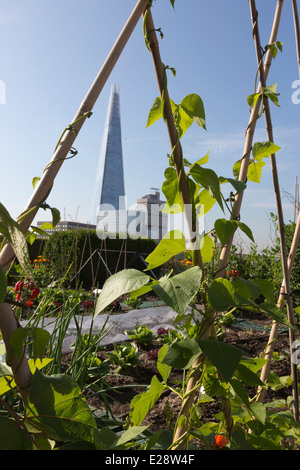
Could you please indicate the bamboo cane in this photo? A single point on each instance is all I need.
(8, 322)
(224, 255)
(173, 135)
(269, 129)
(275, 325)
(293, 250)
(297, 30)
(236, 210)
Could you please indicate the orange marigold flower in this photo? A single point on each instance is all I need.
(220, 441)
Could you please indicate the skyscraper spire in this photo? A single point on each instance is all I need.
(111, 155)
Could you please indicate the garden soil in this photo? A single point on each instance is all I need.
(250, 334)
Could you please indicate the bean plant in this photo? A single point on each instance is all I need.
(213, 369)
(52, 412)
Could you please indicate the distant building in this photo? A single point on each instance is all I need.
(145, 220)
(111, 172)
(113, 217)
(154, 221)
(63, 225)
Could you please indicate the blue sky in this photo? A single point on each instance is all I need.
(51, 52)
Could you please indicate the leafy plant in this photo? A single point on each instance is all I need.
(124, 356)
(133, 302)
(141, 334)
(55, 414)
(220, 369)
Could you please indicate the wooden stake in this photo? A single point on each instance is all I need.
(269, 129)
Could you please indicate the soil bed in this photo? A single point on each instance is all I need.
(252, 340)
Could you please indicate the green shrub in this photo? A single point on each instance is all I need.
(295, 277)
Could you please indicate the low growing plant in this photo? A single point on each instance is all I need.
(124, 356)
(141, 334)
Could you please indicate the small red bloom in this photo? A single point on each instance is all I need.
(34, 293)
(220, 441)
(19, 285)
(28, 303)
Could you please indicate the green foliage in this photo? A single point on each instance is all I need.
(56, 414)
(142, 403)
(68, 418)
(13, 234)
(189, 110)
(295, 277)
(124, 356)
(260, 150)
(141, 334)
(264, 264)
(121, 283)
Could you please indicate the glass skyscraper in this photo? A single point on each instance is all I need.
(111, 155)
(113, 216)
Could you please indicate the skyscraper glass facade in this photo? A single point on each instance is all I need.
(111, 156)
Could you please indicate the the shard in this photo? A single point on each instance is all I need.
(111, 173)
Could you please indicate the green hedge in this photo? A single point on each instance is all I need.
(72, 254)
(295, 277)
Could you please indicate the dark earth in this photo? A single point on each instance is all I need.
(249, 333)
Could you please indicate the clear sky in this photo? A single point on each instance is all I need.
(51, 52)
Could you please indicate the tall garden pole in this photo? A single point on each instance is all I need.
(269, 129)
(293, 250)
(275, 325)
(297, 30)
(173, 135)
(44, 186)
(8, 322)
(224, 255)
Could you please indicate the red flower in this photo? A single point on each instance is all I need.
(233, 272)
(18, 297)
(220, 441)
(34, 293)
(28, 303)
(19, 285)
